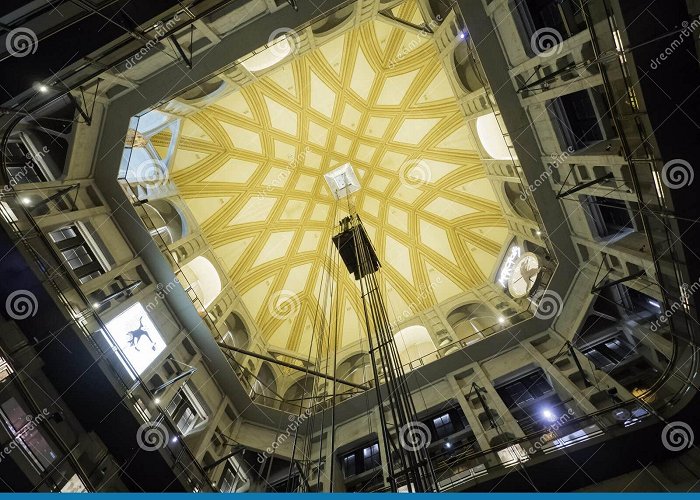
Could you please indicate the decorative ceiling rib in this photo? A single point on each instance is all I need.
(250, 168)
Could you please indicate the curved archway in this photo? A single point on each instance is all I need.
(204, 89)
(413, 343)
(337, 18)
(491, 137)
(515, 194)
(237, 332)
(469, 320)
(294, 396)
(204, 279)
(467, 68)
(278, 51)
(165, 220)
(265, 386)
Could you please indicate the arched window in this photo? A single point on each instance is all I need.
(202, 276)
(278, 50)
(491, 137)
(414, 343)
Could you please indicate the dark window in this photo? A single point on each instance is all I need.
(443, 425)
(525, 390)
(77, 253)
(562, 15)
(185, 412)
(349, 468)
(579, 122)
(608, 354)
(371, 456)
(361, 460)
(609, 216)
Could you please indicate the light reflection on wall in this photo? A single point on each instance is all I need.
(136, 337)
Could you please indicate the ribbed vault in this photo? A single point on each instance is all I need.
(250, 168)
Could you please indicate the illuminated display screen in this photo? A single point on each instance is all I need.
(508, 266)
(136, 337)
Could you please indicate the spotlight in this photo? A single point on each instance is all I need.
(538, 232)
(26, 201)
(95, 305)
(448, 445)
(549, 415)
(462, 35)
(157, 401)
(174, 439)
(42, 88)
(501, 319)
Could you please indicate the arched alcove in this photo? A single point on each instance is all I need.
(413, 343)
(467, 68)
(166, 220)
(491, 137)
(239, 336)
(265, 386)
(202, 90)
(518, 202)
(332, 21)
(355, 368)
(298, 394)
(469, 319)
(278, 51)
(204, 279)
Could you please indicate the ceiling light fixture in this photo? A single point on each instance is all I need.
(549, 415)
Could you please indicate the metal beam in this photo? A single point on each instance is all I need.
(599, 288)
(584, 185)
(292, 366)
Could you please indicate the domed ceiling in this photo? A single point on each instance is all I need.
(251, 169)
